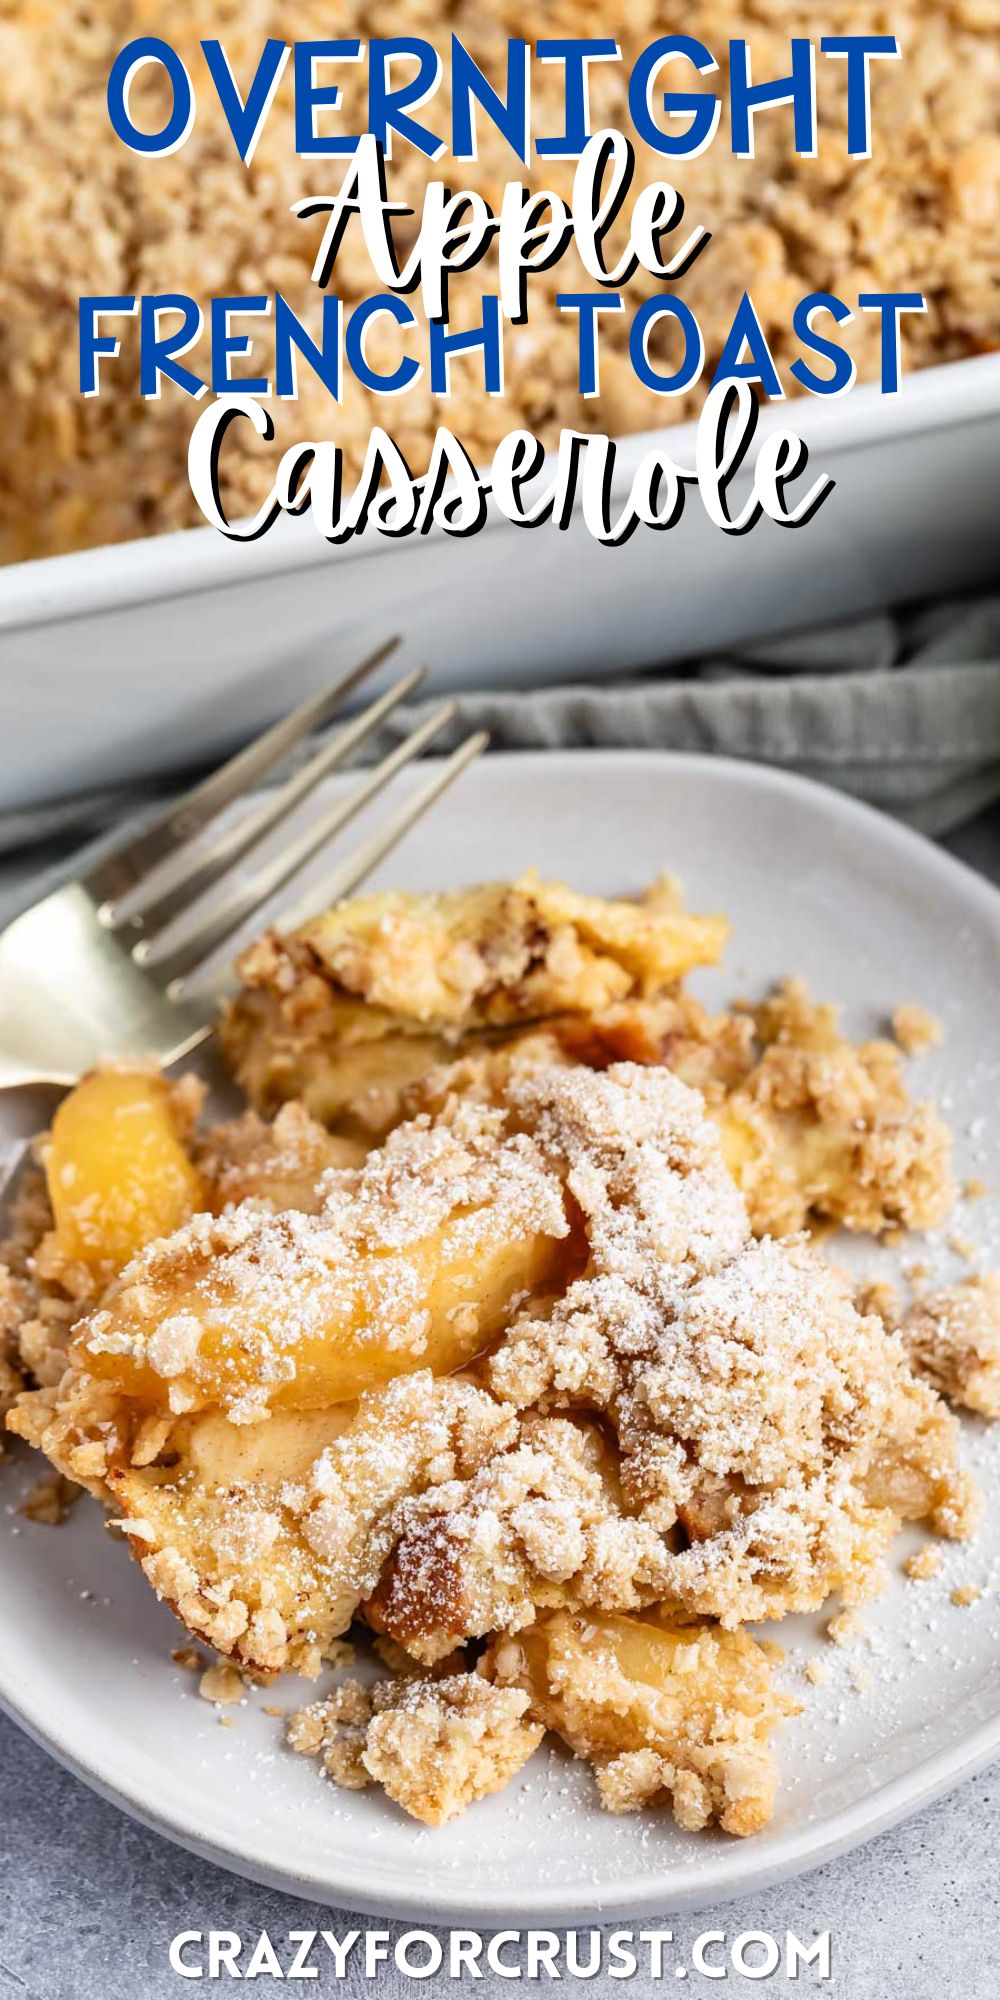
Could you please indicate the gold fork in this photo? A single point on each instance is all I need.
(110, 965)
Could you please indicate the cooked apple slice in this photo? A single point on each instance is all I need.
(118, 1175)
(415, 1261)
(612, 1683)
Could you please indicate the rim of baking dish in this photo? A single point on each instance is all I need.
(87, 582)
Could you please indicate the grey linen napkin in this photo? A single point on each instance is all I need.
(902, 710)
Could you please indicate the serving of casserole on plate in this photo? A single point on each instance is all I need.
(505, 1333)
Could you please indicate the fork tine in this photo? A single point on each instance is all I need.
(187, 817)
(173, 955)
(366, 857)
(177, 882)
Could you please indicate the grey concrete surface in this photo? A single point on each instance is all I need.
(89, 1902)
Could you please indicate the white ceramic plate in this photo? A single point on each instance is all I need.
(872, 915)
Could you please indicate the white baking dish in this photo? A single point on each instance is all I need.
(119, 661)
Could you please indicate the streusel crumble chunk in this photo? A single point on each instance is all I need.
(952, 1337)
(346, 1013)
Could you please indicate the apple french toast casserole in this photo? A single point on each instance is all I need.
(497, 1328)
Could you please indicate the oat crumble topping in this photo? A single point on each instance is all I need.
(916, 1030)
(221, 1683)
(923, 1565)
(952, 1337)
(966, 1594)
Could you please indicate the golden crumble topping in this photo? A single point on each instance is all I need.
(915, 1029)
(279, 1164)
(952, 1337)
(751, 1402)
(824, 1127)
(335, 1730)
(35, 1315)
(965, 1595)
(506, 952)
(348, 1012)
(14, 1314)
(434, 1746)
(923, 1564)
(539, 1523)
(361, 1014)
